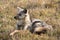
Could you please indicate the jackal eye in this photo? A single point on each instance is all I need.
(19, 14)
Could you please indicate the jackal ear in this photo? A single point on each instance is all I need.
(20, 9)
(25, 10)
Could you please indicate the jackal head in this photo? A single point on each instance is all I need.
(21, 13)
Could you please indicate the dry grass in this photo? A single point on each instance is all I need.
(46, 10)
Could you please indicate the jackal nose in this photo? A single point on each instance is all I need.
(15, 17)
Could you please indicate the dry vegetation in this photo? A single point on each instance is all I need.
(46, 10)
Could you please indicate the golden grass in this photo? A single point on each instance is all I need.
(50, 14)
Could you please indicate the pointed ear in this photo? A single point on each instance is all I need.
(25, 11)
(20, 9)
